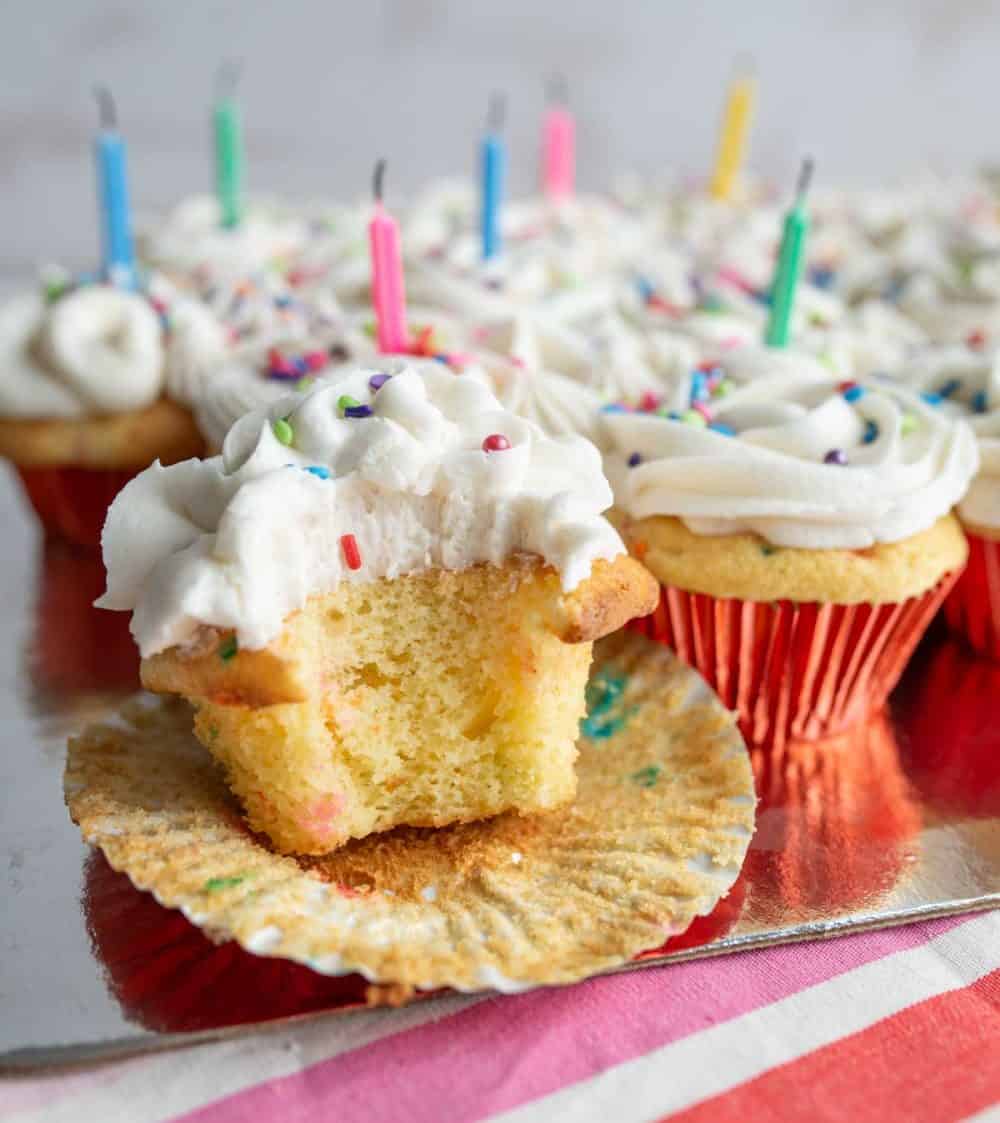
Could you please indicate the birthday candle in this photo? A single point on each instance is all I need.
(736, 121)
(228, 146)
(558, 144)
(112, 192)
(388, 294)
(493, 159)
(789, 267)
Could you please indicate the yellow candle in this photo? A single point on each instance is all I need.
(733, 137)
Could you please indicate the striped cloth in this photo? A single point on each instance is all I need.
(893, 1025)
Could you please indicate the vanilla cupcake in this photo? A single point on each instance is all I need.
(800, 529)
(84, 400)
(380, 600)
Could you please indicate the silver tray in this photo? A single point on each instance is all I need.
(897, 821)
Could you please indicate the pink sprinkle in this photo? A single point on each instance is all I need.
(315, 360)
(702, 408)
(730, 342)
(517, 361)
(649, 401)
(736, 278)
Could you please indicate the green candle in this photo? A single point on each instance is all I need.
(228, 149)
(789, 267)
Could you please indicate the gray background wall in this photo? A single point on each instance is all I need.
(873, 89)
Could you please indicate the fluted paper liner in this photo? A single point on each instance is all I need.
(72, 503)
(656, 836)
(972, 609)
(793, 671)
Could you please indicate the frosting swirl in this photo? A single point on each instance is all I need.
(243, 539)
(801, 461)
(95, 349)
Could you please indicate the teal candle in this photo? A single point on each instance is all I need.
(117, 252)
(228, 149)
(493, 160)
(789, 267)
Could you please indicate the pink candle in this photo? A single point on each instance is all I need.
(388, 293)
(558, 145)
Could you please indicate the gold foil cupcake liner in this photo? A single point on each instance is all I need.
(657, 834)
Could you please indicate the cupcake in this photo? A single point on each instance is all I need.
(964, 382)
(801, 532)
(83, 399)
(380, 600)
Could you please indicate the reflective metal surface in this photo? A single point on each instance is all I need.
(898, 820)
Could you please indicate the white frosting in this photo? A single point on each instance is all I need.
(96, 349)
(771, 479)
(192, 236)
(969, 382)
(243, 539)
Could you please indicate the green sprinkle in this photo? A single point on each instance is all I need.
(214, 884)
(693, 417)
(305, 383)
(228, 648)
(346, 402)
(283, 431)
(647, 777)
(908, 423)
(53, 290)
(724, 389)
(369, 328)
(767, 551)
(604, 695)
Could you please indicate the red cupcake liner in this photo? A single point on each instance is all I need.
(973, 608)
(793, 672)
(72, 503)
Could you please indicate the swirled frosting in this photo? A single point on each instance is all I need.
(800, 461)
(965, 382)
(192, 237)
(95, 349)
(243, 539)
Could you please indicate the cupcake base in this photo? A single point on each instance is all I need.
(790, 671)
(973, 606)
(72, 503)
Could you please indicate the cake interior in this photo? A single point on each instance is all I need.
(434, 698)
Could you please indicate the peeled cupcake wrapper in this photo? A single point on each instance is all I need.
(793, 671)
(972, 609)
(656, 836)
(72, 503)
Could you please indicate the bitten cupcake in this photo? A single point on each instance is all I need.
(801, 532)
(965, 382)
(380, 600)
(83, 399)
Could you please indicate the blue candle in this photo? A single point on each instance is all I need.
(493, 157)
(112, 192)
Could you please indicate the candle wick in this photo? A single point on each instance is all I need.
(557, 89)
(744, 66)
(378, 180)
(805, 178)
(496, 114)
(106, 108)
(227, 77)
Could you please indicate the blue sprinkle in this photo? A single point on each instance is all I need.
(762, 296)
(358, 411)
(822, 277)
(645, 287)
(979, 402)
(282, 301)
(950, 387)
(699, 387)
(673, 415)
(871, 433)
(301, 366)
(725, 430)
(932, 399)
(852, 393)
(634, 460)
(613, 407)
(377, 381)
(318, 470)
